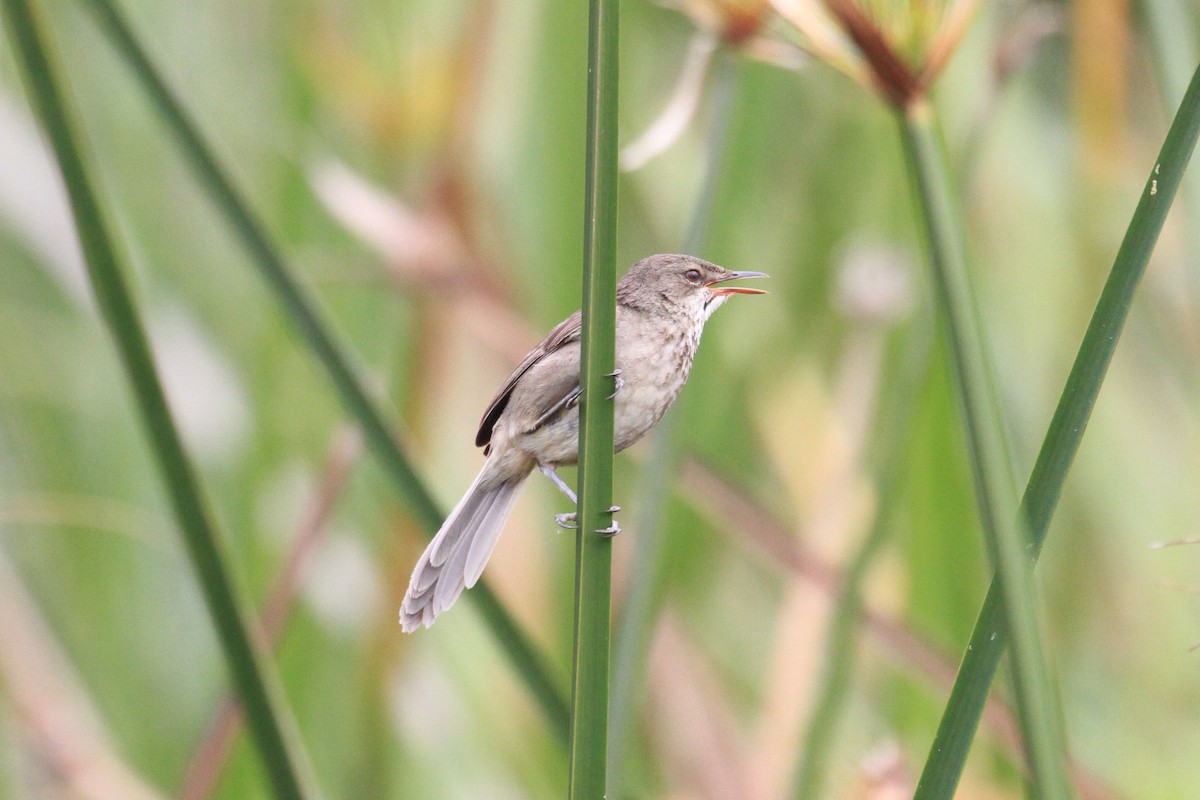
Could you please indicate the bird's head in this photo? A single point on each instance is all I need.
(681, 283)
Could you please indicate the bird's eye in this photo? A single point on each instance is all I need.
(693, 275)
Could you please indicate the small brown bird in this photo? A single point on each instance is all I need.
(533, 421)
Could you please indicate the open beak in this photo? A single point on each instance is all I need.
(718, 291)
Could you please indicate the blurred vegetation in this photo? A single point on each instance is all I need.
(420, 163)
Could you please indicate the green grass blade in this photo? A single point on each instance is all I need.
(256, 683)
(593, 553)
(530, 664)
(995, 494)
(989, 638)
(294, 297)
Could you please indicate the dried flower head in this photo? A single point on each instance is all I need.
(898, 47)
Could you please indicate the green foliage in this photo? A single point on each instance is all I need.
(816, 558)
(993, 628)
(256, 684)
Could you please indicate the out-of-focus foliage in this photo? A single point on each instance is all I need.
(421, 164)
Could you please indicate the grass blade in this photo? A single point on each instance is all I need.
(995, 494)
(593, 553)
(530, 664)
(989, 637)
(256, 683)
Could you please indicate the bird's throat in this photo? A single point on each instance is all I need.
(714, 302)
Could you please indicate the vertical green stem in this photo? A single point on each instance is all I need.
(593, 554)
(840, 652)
(256, 683)
(995, 494)
(297, 302)
(943, 767)
(1171, 31)
(654, 489)
(841, 642)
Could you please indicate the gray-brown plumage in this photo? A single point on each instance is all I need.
(533, 421)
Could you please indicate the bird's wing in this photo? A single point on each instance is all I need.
(564, 333)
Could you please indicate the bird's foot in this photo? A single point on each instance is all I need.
(618, 382)
(610, 531)
(614, 528)
(571, 522)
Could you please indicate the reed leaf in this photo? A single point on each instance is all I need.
(960, 719)
(257, 685)
(995, 494)
(530, 664)
(593, 552)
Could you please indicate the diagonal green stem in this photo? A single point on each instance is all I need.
(995, 494)
(257, 685)
(943, 768)
(530, 664)
(593, 551)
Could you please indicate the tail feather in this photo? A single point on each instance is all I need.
(477, 557)
(455, 558)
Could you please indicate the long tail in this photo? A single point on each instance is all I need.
(455, 558)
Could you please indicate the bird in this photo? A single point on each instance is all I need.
(532, 421)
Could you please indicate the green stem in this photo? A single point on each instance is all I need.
(257, 685)
(840, 651)
(593, 553)
(995, 494)
(639, 611)
(841, 641)
(943, 768)
(299, 305)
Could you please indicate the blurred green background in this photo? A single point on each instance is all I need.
(420, 163)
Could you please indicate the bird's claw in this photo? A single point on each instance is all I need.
(610, 531)
(570, 522)
(614, 528)
(618, 382)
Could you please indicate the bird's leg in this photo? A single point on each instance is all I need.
(568, 520)
(563, 520)
(549, 472)
(571, 399)
(618, 381)
(567, 402)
